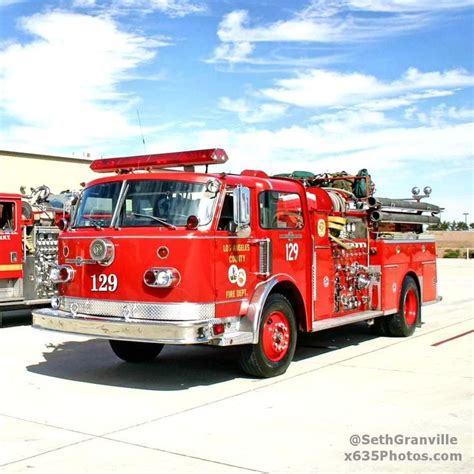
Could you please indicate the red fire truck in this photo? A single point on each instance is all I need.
(28, 249)
(155, 256)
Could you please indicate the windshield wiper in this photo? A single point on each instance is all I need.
(95, 223)
(157, 219)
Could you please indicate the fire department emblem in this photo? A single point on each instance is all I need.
(241, 278)
(321, 228)
(237, 276)
(233, 272)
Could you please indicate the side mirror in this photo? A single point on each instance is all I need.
(241, 206)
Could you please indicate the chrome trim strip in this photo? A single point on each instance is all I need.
(79, 261)
(390, 311)
(128, 310)
(394, 265)
(290, 236)
(33, 302)
(342, 320)
(428, 263)
(156, 237)
(232, 301)
(189, 332)
(407, 241)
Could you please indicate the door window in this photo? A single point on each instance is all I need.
(7, 216)
(280, 210)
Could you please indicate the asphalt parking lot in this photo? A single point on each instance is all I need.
(346, 403)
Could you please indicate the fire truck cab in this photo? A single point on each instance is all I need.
(155, 256)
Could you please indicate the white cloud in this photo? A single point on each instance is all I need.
(330, 22)
(345, 141)
(441, 115)
(172, 8)
(83, 3)
(405, 5)
(252, 113)
(320, 88)
(62, 88)
(232, 52)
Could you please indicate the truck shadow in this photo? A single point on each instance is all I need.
(310, 345)
(177, 367)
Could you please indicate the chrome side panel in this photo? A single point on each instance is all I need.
(343, 320)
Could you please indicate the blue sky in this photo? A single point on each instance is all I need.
(318, 85)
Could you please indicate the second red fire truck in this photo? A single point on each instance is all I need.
(28, 249)
(153, 256)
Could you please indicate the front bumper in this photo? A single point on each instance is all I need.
(165, 332)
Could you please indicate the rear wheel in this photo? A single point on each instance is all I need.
(276, 345)
(403, 323)
(135, 352)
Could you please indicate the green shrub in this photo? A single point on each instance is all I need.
(450, 253)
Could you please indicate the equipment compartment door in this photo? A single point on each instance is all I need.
(323, 269)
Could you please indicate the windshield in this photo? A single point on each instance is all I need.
(147, 203)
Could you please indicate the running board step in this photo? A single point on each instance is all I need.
(342, 320)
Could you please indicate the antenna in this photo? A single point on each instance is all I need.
(141, 131)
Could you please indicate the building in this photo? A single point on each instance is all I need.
(30, 170)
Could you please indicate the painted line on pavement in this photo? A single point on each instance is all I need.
(436, 344)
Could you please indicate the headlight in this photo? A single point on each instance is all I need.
(61, 274)
(161, 277)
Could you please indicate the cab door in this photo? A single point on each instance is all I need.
(236, 260)
(281, 218)
(11, 251)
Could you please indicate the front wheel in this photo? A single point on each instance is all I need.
(276, 345)
(403, 323)
(135, 352)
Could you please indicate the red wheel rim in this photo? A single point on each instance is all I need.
(411, 307)
(276, 336)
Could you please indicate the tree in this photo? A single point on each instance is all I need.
(461, 226)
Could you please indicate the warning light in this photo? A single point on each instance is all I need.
(212, 156)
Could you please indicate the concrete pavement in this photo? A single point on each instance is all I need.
(67, 403)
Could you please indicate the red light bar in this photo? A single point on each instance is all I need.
(213, 156)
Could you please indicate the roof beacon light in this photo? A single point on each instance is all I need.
(212, 156)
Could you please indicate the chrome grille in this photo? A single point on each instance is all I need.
(133, 310)
(265, 257)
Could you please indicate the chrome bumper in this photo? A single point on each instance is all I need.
(166, 332)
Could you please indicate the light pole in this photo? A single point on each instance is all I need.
(465, 214)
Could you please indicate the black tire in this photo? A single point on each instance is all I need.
(278, 317)
(403, 323)
(135, 352)
(380, 326)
